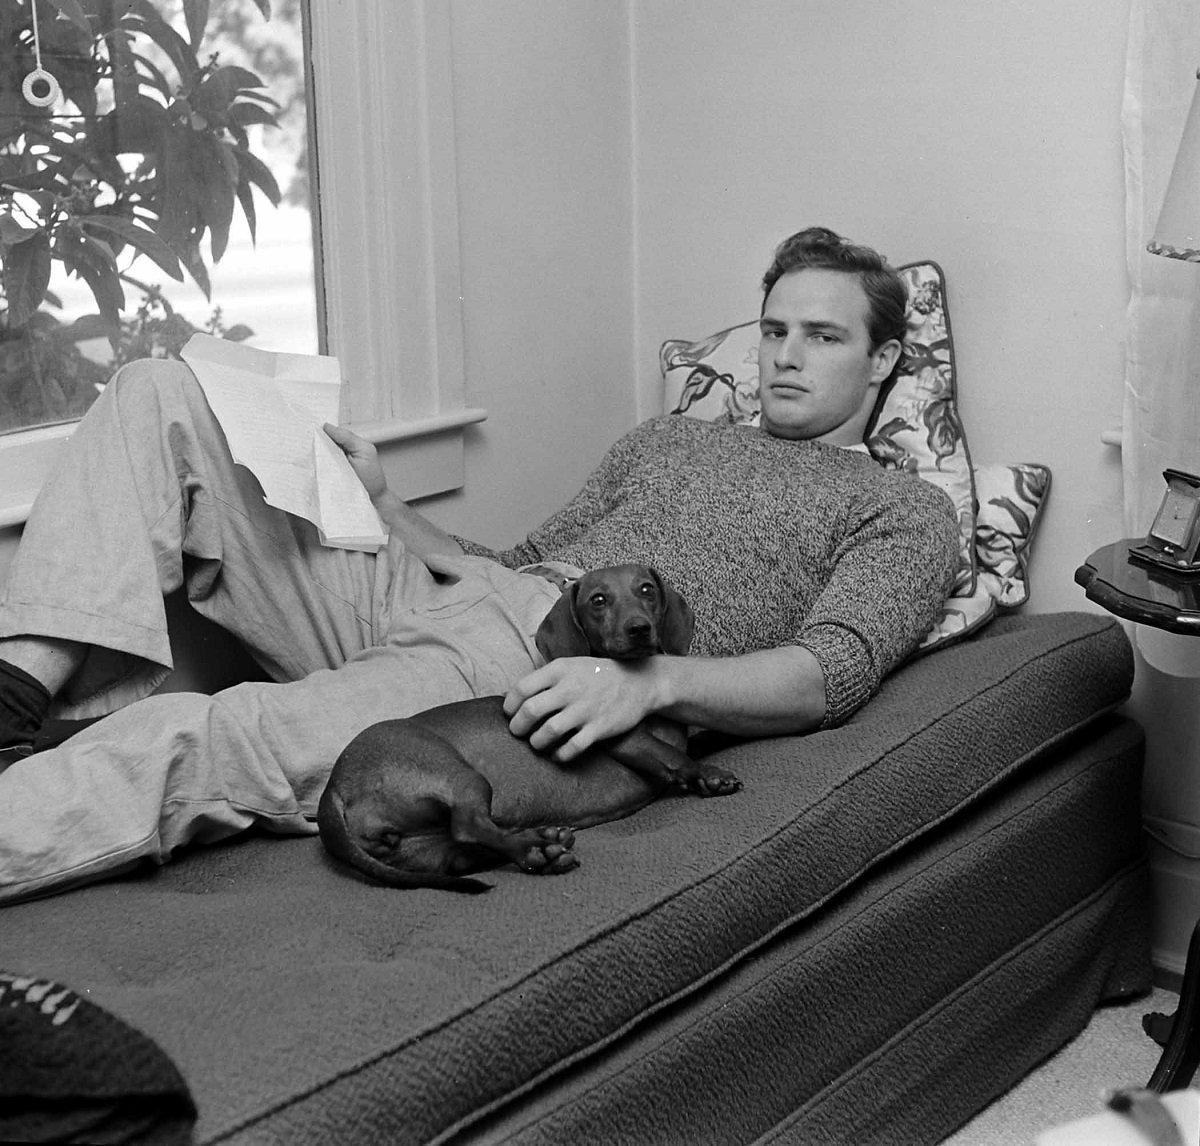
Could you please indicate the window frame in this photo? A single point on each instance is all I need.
(388, 272)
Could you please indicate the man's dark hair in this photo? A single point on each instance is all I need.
(818, 248)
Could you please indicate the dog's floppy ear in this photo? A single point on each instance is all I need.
(559, 635)
(678, 621)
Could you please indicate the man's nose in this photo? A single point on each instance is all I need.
(790, 351)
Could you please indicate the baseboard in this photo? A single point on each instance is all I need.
(1167, 978)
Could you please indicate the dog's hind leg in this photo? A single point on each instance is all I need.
(540, 851)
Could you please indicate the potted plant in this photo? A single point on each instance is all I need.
(145, 154)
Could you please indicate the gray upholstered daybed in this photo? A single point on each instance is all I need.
(890, 925)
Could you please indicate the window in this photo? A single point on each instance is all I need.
(380, 94)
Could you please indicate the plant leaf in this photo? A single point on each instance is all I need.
(98, 268)
(256, 171)
(212, 99)
(92, 261)
(144, 241)
(26, 277)
(88, 326)
(215, 172)
(73, 12)
(145, 18)
(176, 208)
(244, 113)
(12, 232)
(109, 301)
(246, 199)
(137, 129)
(33, 181)
(197, 269)
(149, 73)
(196, 14)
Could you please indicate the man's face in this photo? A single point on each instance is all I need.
(818, 376)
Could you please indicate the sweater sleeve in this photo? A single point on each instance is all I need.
(892, 572)
(599, 493)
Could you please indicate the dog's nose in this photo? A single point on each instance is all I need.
(638, 629)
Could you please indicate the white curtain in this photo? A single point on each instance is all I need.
(1161, 423)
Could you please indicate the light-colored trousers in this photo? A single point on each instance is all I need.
(149, 500)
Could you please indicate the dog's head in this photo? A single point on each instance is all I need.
(625, 612)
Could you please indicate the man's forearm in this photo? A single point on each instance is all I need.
(419, 535)
(766, 693)
(571, 703)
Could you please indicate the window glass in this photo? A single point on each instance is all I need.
(153, 182)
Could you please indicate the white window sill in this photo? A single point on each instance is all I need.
(398, 430)
(27, 458)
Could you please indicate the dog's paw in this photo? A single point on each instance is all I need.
(714, 781)
(548, 851)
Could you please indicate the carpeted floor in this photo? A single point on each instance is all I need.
(1112, 1052)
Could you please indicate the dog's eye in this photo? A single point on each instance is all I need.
(597, 600)
(649, 589)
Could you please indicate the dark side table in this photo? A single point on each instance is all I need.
(1171, 601)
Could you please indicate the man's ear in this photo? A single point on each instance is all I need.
(678, 621)
(884, 359)
(559, 634)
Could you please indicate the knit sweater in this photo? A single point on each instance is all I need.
(772, 541)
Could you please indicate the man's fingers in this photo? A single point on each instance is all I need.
(573, 748)
(349, 441)
(520, 692)
(554, 729)
(526, 705)
(344, 438)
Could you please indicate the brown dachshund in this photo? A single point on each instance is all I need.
(424, 801)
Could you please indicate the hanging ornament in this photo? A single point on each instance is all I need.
(39, 88)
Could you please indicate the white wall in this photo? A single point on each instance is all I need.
(545, 202)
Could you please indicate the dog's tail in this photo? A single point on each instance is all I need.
(342, 845)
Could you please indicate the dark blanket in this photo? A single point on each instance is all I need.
(71, 1072)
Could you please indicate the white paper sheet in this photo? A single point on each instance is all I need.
(272, 408)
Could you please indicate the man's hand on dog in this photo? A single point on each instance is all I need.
(571, 703)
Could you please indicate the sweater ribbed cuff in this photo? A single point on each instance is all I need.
(850, 675)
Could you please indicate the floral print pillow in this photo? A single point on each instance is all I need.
(715, 379)
(1010, 502)
(917, 429)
